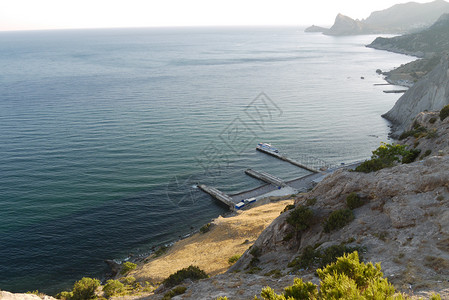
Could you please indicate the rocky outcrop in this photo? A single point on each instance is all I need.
(430, 93)
(344, 25)
(314, 28)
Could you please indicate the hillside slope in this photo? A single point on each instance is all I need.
(409, 16)
(428, 42)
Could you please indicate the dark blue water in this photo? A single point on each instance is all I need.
(103, 133)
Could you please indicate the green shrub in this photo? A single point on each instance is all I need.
(347, 278)
(444, 112)
(255, 251)
(205, 228)
(432, 120)
(435, 297)
(299, 290)
(301, 218)
(417, 132)
(338, 219)
(128, 280)
(288, 236)
(311, 202)
(354, 201)
(253, 270)
(386, 156)
(410, 156)
(288, 207)
(160, 251)
(191, 272)
(274, 273)
(233, 259)
(113, 287)
(85, 288)
(179, 290)
(307, 259)
(64, 295)
(127, 267)
(330, 254)
(340, 278)
(432, 134)
(315, 258)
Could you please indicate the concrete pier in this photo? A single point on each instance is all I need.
(219, 195)
(395, 91)
(266, 177)
(285, 158)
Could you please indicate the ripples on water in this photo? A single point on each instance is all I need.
(104, 132)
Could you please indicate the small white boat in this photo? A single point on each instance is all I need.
(265, 147)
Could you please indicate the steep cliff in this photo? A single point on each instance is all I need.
(430, 93)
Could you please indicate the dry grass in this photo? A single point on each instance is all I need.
(210, 251)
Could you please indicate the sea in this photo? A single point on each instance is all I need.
(105, 133)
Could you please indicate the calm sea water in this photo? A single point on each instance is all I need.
(104, 133)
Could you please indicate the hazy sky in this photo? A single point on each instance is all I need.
(50, 14)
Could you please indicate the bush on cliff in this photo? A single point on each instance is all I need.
(386, 156)
(113, 287)
(313, 258)
(127, 267)
(354, 201)
(347, 278)
(83, 289)
(444, 113)
(191, 272)
(301, 218)
(338, 219)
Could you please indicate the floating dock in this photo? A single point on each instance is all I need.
(219, 195)
(284, 158)
(266, 177)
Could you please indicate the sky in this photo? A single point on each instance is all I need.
(62, 14)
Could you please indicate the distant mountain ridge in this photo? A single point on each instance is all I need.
(400, 18)
(408, 17)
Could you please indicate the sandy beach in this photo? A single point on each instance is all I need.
(211, 250)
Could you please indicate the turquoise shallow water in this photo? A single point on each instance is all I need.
(104, 133)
